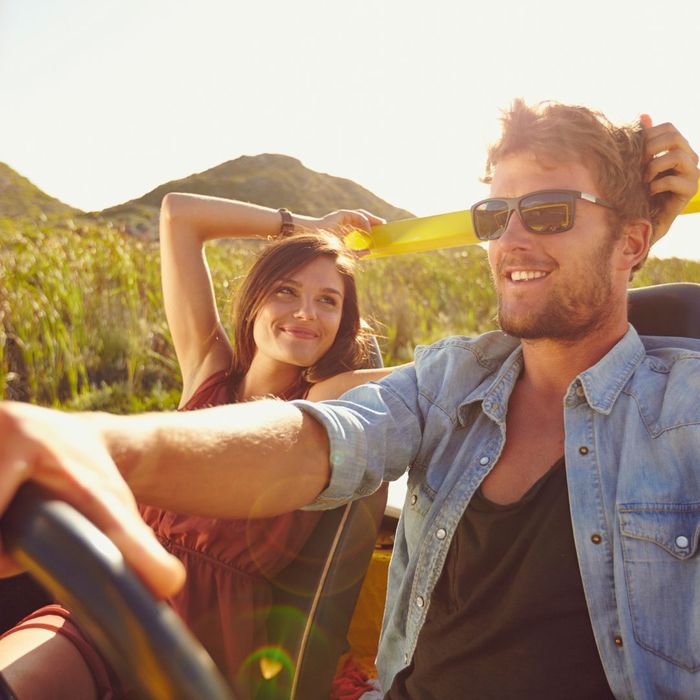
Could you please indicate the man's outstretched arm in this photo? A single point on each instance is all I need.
(256, 459)
(260, 459)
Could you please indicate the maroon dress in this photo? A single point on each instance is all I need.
(226, 597)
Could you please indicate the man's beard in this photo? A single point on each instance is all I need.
(571, 312)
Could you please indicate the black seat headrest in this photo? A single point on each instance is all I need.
(666, 309)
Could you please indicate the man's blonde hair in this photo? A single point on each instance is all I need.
(565, 133)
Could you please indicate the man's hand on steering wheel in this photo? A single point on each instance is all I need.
(66, 454)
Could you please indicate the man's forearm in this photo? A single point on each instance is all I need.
(255, 459)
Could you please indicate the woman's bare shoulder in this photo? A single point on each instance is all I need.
(335, 386)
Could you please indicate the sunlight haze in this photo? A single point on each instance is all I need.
(102, 102)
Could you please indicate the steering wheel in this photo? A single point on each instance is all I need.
(142, 638)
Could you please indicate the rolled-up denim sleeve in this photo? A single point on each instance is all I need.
(374, 432)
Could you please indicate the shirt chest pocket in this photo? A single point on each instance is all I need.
(660, 544)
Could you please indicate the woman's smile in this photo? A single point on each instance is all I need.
(301, 332)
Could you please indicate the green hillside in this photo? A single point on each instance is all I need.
(21, 198)
(268, 179)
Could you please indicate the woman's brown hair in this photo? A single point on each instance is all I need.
(280, 260)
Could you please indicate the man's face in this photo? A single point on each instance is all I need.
(560, 285)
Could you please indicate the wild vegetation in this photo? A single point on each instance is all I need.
(82, 323)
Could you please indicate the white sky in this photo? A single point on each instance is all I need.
(102, 101)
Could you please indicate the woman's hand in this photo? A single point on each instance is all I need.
(343, 221)
(672, 169)
(66, 454)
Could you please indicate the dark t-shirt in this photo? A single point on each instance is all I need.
(508, 616)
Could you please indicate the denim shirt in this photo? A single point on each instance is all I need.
(632, 425)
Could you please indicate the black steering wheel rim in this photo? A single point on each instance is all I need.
(142, 638)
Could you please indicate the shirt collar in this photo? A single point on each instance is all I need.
(494, 392)
(602, 383)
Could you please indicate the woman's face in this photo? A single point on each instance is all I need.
(299, 320)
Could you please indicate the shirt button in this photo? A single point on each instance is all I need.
(405, 658)
(484, 460)
(420, 601)
(618, 641)
(682, 542)
(414, 499)
(583, 450)
(579, 391)
(442, 533)
(596, 538)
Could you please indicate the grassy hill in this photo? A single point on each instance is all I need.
(268, 179)
(21, 198)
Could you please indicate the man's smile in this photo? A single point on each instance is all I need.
(526, 275)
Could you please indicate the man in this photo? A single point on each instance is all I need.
(549, 542)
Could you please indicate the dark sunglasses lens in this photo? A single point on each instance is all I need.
(547, 212)
(490, 219)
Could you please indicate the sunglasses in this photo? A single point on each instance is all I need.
(545, 211)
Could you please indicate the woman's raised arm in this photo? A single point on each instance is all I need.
(187, 221)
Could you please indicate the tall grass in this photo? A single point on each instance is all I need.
(419, 298)
(82, 322)
(82, 312)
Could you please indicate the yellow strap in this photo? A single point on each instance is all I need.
(693, 205)
(431, 233)
(414, 235)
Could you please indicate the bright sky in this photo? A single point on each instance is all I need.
(102, 101)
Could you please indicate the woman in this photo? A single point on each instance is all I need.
(297, 326)
(202, 348)
(297, 333)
